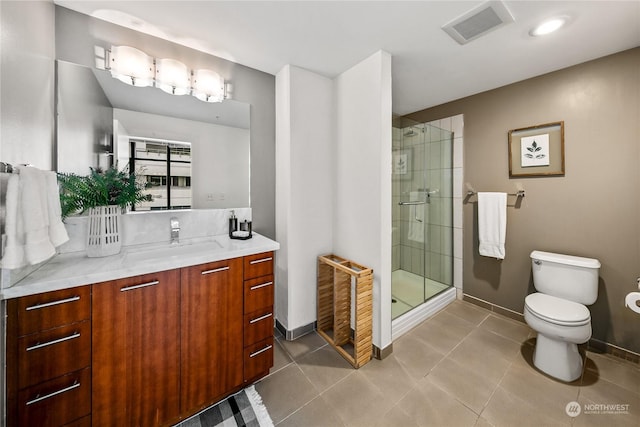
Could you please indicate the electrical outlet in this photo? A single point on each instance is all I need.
(210, 197)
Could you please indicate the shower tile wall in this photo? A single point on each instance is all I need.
(432, 168)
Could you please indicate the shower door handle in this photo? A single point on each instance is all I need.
(412, 203)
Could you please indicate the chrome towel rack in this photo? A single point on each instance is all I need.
(519, 193)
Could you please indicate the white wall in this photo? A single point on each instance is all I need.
(84, 115)
(26, 83)
(362, 213)
(333, 183)
(304, 197)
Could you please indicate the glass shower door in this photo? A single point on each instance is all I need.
(422, 258)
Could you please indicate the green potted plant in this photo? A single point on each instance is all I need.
(104, 194)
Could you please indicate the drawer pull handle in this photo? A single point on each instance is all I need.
(258, 261)
(52, 303)
(215, 270)
(253, 288)
(266, 316)
(260, 351)
(59, 340)
(55, 393)
(143, 285)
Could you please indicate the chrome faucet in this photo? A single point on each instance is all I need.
(175, 230)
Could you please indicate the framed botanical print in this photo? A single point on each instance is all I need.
(537, 150)
(402, 163)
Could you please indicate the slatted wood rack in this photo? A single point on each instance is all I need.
(336, 277)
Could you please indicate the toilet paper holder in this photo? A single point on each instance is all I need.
(632, 299)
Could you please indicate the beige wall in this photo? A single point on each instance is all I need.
(592, 211)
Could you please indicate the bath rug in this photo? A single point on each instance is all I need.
(243, 409)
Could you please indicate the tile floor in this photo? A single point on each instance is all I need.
(465, 366)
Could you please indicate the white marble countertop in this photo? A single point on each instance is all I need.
(76, 269)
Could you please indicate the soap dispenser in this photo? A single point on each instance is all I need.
(233, 223)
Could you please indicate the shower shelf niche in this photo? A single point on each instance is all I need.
(336, 277)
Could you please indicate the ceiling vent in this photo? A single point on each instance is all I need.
(478, 21)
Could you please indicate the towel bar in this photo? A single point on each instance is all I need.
(520, 193)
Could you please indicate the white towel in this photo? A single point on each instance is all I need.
(416, 218)
(33, 224)
(492, 224)
(14, 249)
(57, 231)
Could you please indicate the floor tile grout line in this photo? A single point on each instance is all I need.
(306, 403)
(475, 327)
(483, 326)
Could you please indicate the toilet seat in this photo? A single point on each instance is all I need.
(557, 310)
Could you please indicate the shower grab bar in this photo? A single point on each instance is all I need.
(412, 203)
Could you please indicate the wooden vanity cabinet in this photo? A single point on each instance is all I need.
(136, 350)
(211, 337)
(148, 350)
(49, 358)
(258, 315)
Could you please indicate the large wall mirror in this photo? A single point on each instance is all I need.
(99, 120)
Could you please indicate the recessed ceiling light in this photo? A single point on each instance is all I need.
(548, 26)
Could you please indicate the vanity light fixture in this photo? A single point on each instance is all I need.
(208, 86)
(136, 68)
(548, 26)
(173, 77)
(131, 66)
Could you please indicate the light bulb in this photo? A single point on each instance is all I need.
(547, 27)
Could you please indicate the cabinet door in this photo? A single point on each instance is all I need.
(211, 332)
(136, 356)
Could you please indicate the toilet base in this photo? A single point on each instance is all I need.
(559, 359)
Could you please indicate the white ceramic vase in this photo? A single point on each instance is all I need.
(103, 236)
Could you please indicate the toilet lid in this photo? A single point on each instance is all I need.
(557, 310)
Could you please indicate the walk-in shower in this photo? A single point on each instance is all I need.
(422, 200)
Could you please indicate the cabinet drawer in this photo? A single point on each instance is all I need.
(258, 358)
(50, 309)
(54, 352)
(258, 326)
(258, 265)
(258, 293)
(56, 402)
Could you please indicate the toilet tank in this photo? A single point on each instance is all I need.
(565, 276)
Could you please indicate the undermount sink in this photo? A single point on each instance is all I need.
(165, 250)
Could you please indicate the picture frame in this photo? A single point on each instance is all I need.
(537, 150)
(402, 167)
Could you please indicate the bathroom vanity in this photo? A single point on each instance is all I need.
(147, 337)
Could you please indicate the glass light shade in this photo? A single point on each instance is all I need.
(131, 66)
(208, 86)
(172, 76)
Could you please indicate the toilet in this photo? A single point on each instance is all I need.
(565, 284)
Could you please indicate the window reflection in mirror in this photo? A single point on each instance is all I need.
(164, 167)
